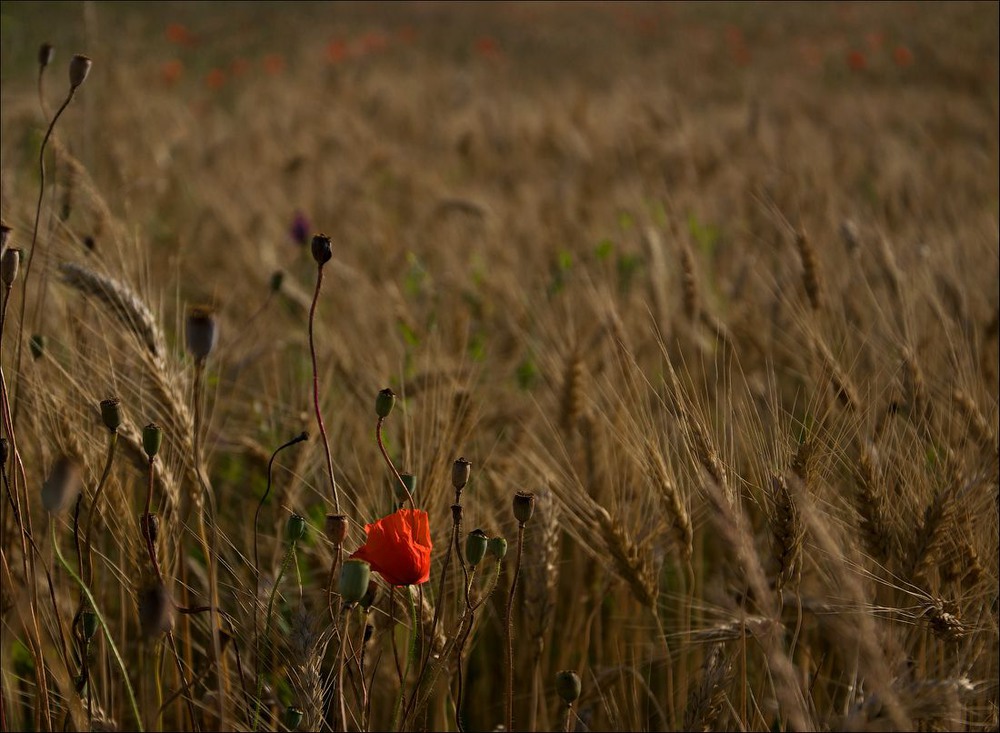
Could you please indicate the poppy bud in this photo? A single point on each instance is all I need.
(475, 547)
(156, 611)
(150, 526)
(354, 578)
(524, 506)
(45, 53)
(497, 546)
(409, 481)
(568, 686)
(37, 345)
(384, 402)
(10, 263)
(88, 624)
(322, 249)
(152, 438)
(111, 414)
(336, 529)
(79, 67)
(461, 469)
(62, 486)
(295, 528)
(201, 332)
(292, 717)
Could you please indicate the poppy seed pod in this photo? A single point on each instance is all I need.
(62, 486)
(336, 529)
(524, 506)
(277, 279)
(322, 249)
(409, 481)
(355, 575)
(568, 686)
(4, 234)
(150, 527)
(4, 451)
(152, 438)
(10, 263)
(45, 54)
(384, 402)
(461, 470)
(368, 599)
(156, 611)
(295, 528)
(497, 546)
(292, 717)
(111, 414)
(475, 547)
(201, 332)
(79, 67)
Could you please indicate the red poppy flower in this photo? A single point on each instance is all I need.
(399, 547)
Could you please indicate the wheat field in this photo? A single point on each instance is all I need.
(706, 294)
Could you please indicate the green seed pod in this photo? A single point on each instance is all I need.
(475, 547)
(497, 546)
(524, 506)
(295, 528)
(461, 469)
(45, 54)
(62, 485)
(149, 525)
(37, 345)
(88, 624)
(354, 578)
(79, 67)
(322, 249)
(568, 686)
(410, 481)
(152, 439)
(201, 332)
(10, 264)
(292, 717)
(336, 529)
(384, 402)
(111, 414)
(156, 611)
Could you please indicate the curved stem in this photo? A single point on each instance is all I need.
(107, 634)
(392, 467)
(509, 632)
(289, 554)
(319, 414)
(112, 443)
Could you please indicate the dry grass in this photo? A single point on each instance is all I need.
(726, 304)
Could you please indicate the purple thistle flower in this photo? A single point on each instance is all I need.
(300, 229)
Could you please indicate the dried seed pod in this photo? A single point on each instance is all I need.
(79, 67)
(111, 414)
(10, 263)
(355, 575)
(461, 470)
(46, 52)
(156, 611)
(384, 402)
(322, 249)
(152, 438)
(475, 547)
(524, 506)
(201, 332)
(62, 486)
(568, 686)
(336, 529)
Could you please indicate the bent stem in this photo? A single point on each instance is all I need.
(410, 658)
(392, 467)
(89, 537)
(289, 554)
(508, 630)
(319, 413)
(107, 634)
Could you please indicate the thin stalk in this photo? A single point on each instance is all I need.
(112, 443)
(508, 629)
(289, 554)
(392, 467)
(319, 413)
(340, 668)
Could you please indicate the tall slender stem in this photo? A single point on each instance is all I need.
(319, 413)
(509, 631)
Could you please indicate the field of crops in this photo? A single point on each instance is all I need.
(525, 366)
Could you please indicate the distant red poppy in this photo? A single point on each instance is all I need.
(407, 34)
(179, 35)
(171, 72)
(337, 50)
(215, 79)
(857, 61)
(239, 67)
(399, 547)
(902, 56)
(487, 47)
(374, 41)
(876, 40)
(274, 64)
